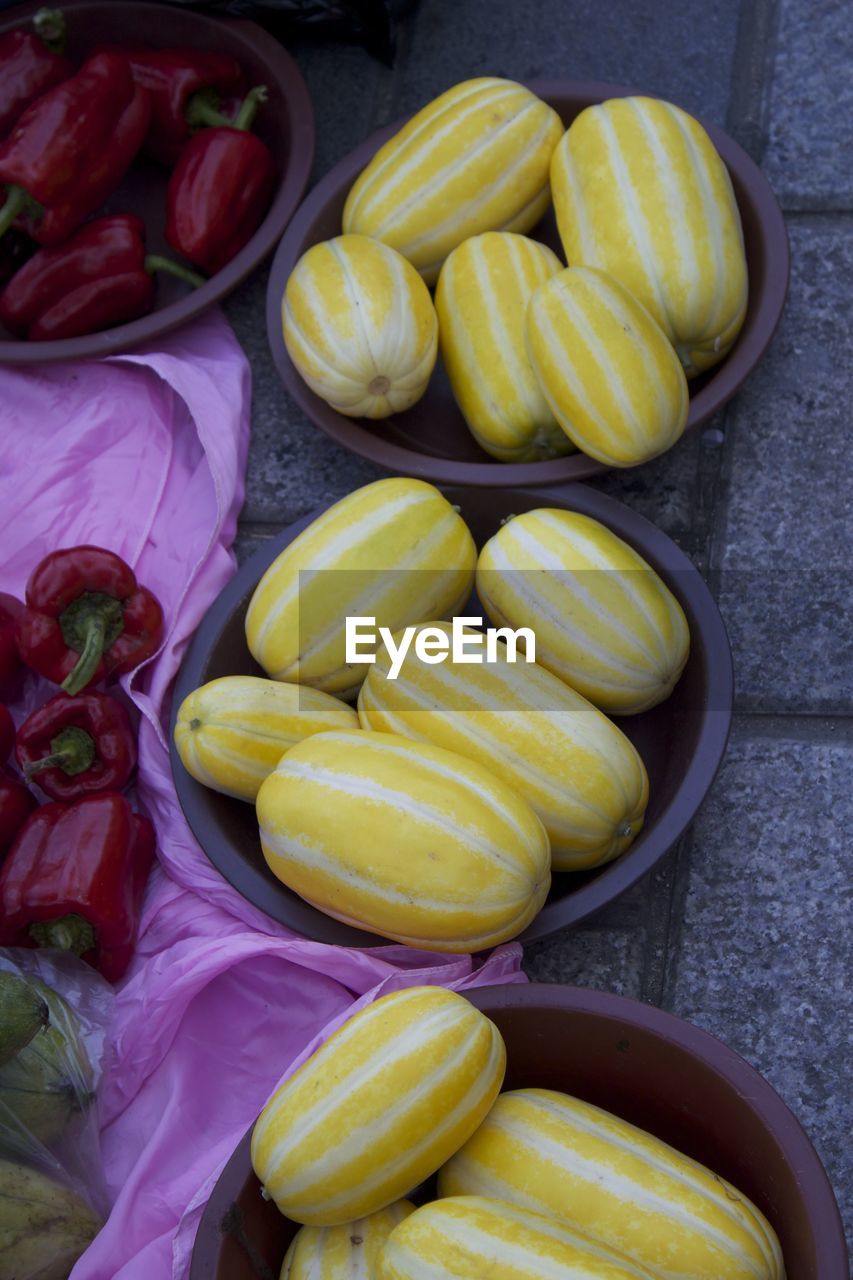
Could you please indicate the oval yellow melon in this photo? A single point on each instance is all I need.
(554, 1154)
(604, 621)
(475, 159)
(349, 1251)
(379, 1107)
(641, 192)
(473, 1237)
(605, 367)
(231, 732)
(575, 769)
(360, 327)
(405, 840)
(481, 300)
(395, 550)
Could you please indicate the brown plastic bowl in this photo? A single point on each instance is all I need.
(652, 1069)
(681, 741)
(431, 440)
(285, 123)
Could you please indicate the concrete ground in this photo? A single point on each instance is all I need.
(743, 928)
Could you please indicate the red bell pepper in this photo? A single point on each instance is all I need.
(16, 805)
(76, 746)
(186, 87)
(74, 879)
(220, 190)
(72, 147)
(7, 733)
(99, 278)
(86, 618)
(10, 661)
(31, 62)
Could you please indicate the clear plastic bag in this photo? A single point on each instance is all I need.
(54, 1011)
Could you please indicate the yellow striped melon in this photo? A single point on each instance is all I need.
(231, 732)
(641, 192)
(605, 367)
(604, 621)
(395, 550)
(404, 839)
(380, 1106)
(572, 765)
(481, 300)
(349, 1251)
(360, 327)
(553, 1154)
(475, 159)
(474, 1237)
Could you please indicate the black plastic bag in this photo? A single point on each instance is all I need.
(367, 22)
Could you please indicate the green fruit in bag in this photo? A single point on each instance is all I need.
(23, 1013)
(44, 1226)
(48, 1080)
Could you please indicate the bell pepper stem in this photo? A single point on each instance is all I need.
(245, 117)
(72, 751)
(90, 655)
(17, 199)
(49, 26)
(68, 933)
(153, 262)
(203, 111)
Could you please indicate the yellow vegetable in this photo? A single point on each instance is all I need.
(641, 192)
(405, 840)
(554, 1154)
(604, 621)
(360, 327)
(379, 1107)
(605, 368)
(345, 1252)
(575, 769)
(395, 550)
(474, 1238)
(481, 299)
(474, 159)
(232, 732)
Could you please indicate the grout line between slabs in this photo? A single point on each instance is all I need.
(747, 118)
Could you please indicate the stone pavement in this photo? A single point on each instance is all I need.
(743, 928)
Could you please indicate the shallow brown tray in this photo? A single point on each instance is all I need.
(431, 440)
(650, 1068)
(681, 741)
(285, 123)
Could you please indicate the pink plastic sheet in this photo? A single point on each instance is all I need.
(145, 454)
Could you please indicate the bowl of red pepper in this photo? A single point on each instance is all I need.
(150, 158)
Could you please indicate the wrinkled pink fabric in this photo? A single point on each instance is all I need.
(145, 454)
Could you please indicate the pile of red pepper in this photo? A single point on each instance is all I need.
(73, 871)
(68, 137)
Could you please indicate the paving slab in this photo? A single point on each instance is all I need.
(764, 959)
(683, 52)
(605, 959)
(811, 106)
(786, 588)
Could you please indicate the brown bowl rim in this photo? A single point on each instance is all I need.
(750, 1085)
(369, 443)
(291, 188)
(258, 885)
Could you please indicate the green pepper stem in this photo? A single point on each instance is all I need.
(72, 751)
(50, 28)
(68, 933)
(153, 262)
(203, 110)
(245, 117)
(17, 199)
(90, 655)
